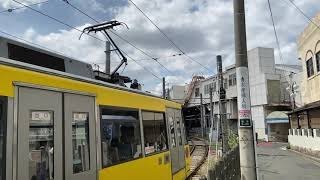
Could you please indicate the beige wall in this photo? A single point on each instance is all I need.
(314, 116)
(308, 46)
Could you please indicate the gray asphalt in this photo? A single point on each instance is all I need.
(275, 163)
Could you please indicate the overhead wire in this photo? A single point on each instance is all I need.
(72, 27)
(29, 42)
(57, 20)
(21, 7)
(134, 46)
(169, 39)
(304, 14)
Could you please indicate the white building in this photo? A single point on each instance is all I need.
(176, 93)
(268, 83)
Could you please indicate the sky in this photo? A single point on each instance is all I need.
(201, 28)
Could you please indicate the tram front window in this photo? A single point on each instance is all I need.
(120, 136)
(2, 138)
(41, 145)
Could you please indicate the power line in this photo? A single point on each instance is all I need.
(57, 20)
(275, 31)
(12, 9)
(29, 42)
(143, 52)
(304, 14)
(162, 57)
(169, 39)
(141, 65)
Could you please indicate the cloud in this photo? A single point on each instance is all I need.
(7, 4)
(201, 28)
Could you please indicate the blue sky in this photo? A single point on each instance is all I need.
(202, 28)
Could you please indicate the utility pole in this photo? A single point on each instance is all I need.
(211, 112)
(164, 88)
(201, 116)
(222, 107)
(108, 61)
(245, 128)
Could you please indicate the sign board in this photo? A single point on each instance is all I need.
(41, 116)
(244, 106)
(245, 123)
(80, 116)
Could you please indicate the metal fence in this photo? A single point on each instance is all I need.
(227, 168)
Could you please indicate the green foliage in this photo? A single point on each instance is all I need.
(233, 140)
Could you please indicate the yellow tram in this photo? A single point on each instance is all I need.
(61, 126)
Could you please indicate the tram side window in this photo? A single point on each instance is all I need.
(120, 136)
(154, 128)
(2, 138)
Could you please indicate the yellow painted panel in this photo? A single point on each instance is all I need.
(188, 158)
(105, 95)
(181, 175)
(142, 169)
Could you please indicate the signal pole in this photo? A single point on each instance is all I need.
(222, 107)
(245, 128)
(201, 117)
(164, 88)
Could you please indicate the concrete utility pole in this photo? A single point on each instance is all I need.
(211, 111)
(108, 61)
(222, 107)
(164, 88)
(246, 138)
(201, 116)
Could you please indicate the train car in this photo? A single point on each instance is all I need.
(64, 126)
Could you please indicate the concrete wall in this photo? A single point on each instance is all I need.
(306, 140)
(177, 93)
(258, 116)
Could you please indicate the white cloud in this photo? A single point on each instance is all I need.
(202, 28)
(7, 4)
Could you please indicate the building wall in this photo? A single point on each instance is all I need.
(177, 93)
(314, 116)
(258, 117)
(308, 46)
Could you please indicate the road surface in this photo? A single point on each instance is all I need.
(275, 162)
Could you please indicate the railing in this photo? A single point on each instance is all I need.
(228, 167)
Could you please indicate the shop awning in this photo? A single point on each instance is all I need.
(277, 117)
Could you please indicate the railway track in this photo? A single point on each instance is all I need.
(199, 154)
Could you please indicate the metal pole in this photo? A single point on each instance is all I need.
(211, 109)
(246, 139)
(222, 107)
(164, 88)
(108, 52)
(201, 116)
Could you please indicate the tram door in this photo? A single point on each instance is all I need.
(180, 138)
(175, 139)
(39, 135)
(54, 141)
(80, 149)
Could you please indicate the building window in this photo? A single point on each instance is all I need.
(318, 61)
(214, 86)
(120, 136)
(155, 134)
(232, 79)
(3, 106)
(206, 88)
(309, 65)
(197, 92)
(225, 83)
